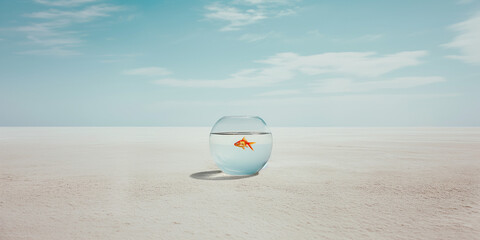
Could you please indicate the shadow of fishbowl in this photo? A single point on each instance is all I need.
(218, 175)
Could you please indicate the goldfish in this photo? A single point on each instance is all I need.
(244, 143)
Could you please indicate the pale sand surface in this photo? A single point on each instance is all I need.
(321, 183)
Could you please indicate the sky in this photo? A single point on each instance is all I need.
(292, 62)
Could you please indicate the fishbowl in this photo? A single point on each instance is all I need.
(240, 145)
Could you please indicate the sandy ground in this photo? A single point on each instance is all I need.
(160, 183)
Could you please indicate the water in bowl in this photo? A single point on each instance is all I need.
(236, 160)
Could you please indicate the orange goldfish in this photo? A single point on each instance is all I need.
(244, 143)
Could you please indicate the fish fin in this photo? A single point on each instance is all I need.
(243, 139)
(252, 142)
(251, 147)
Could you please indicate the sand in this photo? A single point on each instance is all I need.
(161, 183)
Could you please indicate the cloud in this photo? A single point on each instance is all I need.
(286, 12)
(236, 17)
(50, 34)
(467, 41)
(54, 33)
(51, 51)
(258, 2)
(85, 15)
(367, 64)
(244, 78)
(65, 41)
(246, 12)
(343, 85)
(148, 71)
(288, 66)
(63, 3)
(280, 93)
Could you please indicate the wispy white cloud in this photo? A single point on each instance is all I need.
(467, 41)
(285, 12)
(368, 64)
(54, 31)
(244, 78)
(57, 41)
(64, 3)
(51, 51)
(50, 34)
(246, 12)
(344, 85)
(287, 66)
(77, 16)
(236, 17)
(280, 93)
(148, 71)
(258, 2)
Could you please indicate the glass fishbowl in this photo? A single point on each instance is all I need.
(240, 145)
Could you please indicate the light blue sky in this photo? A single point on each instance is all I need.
(187, 63)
